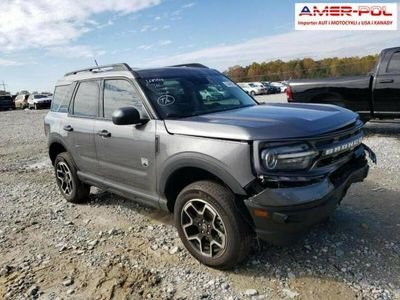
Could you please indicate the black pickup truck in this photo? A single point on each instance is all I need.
(376, 95)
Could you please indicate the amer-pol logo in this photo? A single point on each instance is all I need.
(305, 11)
(346, 16)
(335, 11)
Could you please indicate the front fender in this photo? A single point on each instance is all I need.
(201, 161)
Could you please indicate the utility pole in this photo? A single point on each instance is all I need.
(4, 86)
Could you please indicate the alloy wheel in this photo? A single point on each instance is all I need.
(203, 228)
(64, 178)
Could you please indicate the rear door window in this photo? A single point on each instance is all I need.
(87, 99)
(394, 63)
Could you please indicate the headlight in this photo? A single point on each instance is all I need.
(290, 157)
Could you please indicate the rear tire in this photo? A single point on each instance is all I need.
(210, 226)
(70, 186)
(252, 93)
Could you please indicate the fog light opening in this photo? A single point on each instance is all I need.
(261, 213)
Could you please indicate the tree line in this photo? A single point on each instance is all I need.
(279, 70)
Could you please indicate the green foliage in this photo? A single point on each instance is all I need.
(279, 70)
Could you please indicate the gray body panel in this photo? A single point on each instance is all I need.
(122, 156)
(228, 160)
(81, 142)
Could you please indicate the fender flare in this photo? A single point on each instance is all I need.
(201, 161)
(55, 138)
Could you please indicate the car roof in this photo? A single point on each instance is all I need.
(124, 70)
(172, 71)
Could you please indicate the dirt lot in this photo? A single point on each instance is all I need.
(112, 248)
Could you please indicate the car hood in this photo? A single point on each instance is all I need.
(269, 122)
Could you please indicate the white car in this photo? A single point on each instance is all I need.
(37, 101)
(280, 85)
(253, 88)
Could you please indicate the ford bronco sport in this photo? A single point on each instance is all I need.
(228, 168)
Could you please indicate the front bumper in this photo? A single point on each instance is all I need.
(43, 104)
(281, 215)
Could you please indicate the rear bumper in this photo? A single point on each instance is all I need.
(289, 212)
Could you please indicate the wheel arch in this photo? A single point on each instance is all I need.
(56, 146)
(185, 170)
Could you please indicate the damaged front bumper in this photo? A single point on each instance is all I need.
(281, 215)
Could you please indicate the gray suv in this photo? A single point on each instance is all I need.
(228, 168)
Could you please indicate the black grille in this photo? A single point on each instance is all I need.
(337, 137)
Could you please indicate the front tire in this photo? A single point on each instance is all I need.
(72, 189)
(209, 225)
(35, 106)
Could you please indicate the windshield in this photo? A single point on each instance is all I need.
(194, 94)
(39, 96)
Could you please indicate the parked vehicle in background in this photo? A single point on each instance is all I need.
(6, 102)
(270, 88)
(228, 169)
(281, 86)
(252, 88)
(211, 93)
(376, 95)
(48, 94)
(21, 101)
(37, 101)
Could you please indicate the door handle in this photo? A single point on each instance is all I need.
(104, 133)
(68, 128)
(386, 81)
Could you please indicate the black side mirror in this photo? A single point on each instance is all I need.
(126, 116)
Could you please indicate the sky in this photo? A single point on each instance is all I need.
(41, 40)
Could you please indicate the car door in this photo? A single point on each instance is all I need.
(78, 127)
(126, 153)
(387, 84)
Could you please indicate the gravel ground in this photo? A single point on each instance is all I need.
(112, 248)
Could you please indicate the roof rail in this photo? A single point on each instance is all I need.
(104, 68)
(191, 65)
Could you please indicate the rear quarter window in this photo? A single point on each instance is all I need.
(62, 97)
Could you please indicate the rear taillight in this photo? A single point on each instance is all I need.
(289, 94)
